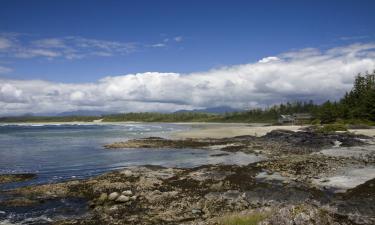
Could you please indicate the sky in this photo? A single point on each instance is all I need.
(125, 56)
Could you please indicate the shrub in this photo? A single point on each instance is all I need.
(316, 122)
(328, 128)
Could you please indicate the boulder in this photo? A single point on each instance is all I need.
(123, 198)
(113, 196)
(127, 193)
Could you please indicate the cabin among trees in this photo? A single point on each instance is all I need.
(296, 118)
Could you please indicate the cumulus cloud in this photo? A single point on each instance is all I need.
(302, 74)
(268, 59)
(10, 94)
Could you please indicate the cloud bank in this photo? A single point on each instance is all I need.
(303, 74)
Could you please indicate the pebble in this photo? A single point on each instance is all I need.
(286, 182)
(196, 211)
(122, 198)
(113, 196)
(127, 193)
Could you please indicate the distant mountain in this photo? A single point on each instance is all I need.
(84, 113)
(217, 110)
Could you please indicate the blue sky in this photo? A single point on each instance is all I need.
(123, 56)
(211, 34)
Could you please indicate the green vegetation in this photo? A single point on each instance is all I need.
(356, 107)
(328, 128)
(238, 219)
(163, 117)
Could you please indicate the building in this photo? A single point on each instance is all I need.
(296, 118)
(286, 119)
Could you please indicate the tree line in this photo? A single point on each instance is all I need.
(356, 106)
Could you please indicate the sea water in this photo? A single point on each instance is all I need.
(60, 152)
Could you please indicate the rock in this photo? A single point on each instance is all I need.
(285, 182)
(127, 173)
(127, 193)
(103, 197)
(301, 219)
(7, 178)
(196, 211)
(133, 198)
(123, 198)
(113, 208)
(217, 186)
(113, 196)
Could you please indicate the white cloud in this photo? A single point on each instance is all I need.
(23, 46)
(268, 59)
(178, 39)
(71, 47)
(10, 94)
(5, 43)
(4, 69)
(350, 38)
(31, 53)
(158, 45)
(50, 43)
(302, 74)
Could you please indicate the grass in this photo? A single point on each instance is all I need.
(242, 219)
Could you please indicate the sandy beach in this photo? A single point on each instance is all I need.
(222, 130)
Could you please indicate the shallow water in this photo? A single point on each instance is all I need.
(60, 152)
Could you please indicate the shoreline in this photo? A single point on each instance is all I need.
(294, 173)
(226, 130)
(204, 129)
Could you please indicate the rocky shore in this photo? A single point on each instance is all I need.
(7, 178)
(292, 186)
